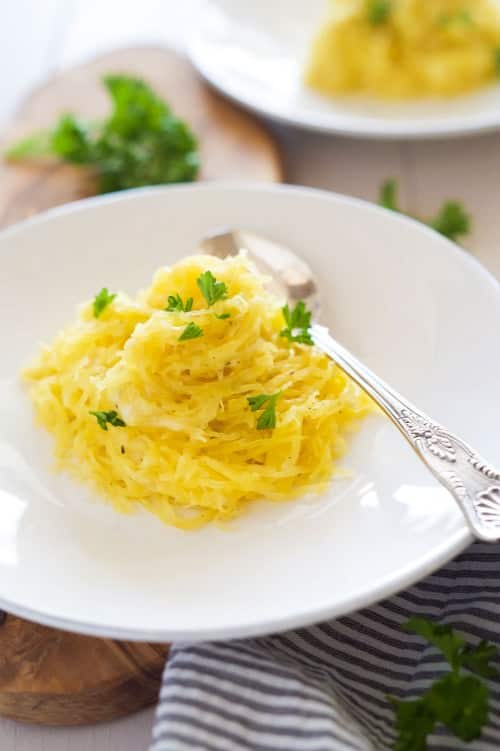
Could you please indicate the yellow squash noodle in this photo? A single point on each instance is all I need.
(190, 451)
(406, 48)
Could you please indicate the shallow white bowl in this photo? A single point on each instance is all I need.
(255, 51)
(415, 307)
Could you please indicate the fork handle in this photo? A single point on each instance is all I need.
(471, 481)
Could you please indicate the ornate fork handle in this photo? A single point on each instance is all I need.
(472, 482)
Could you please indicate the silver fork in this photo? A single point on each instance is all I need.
(473, 483)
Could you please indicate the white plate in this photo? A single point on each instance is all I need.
(254, 52)
(417, 309)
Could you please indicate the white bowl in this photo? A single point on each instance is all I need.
(415, 307)
(255, 52)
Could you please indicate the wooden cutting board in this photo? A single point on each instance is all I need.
(233, 144)
(48, 676)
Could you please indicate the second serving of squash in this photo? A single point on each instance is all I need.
(406, 48)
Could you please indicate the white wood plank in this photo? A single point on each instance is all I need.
(464, 169)
(353, 167)
(130, 734)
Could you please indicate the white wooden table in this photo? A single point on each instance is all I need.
(42, 36)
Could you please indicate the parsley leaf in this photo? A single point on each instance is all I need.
(441, 636)
(267, 420)
(222, 316)
(414, 722)
(174, 303)
(378, 11)
(69, 136)
(463, 16)
(140, 143)
(452, 220)
(496, 60)
(461, 703)
(101, 301)
(257, 402)
(71, 140)
(105, 418)
(458, 700)
(477, 659)
(388, 195)
(211, 289)
(192, 331)
(298, 323)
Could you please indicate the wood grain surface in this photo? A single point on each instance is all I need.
(48, 676)
(233, 144)
(57, 678)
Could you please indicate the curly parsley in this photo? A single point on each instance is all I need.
(140, 143)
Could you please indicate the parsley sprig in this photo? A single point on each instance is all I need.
(388, 195)
(175, 303)
(267, 420)
(496, 60)
(460, 17)
(298, 323)
(378, 11)
(211, 289)
(458, 700)
(140, 143)
(101, 301)
(192, 331)
(452, 220)
(108, 418)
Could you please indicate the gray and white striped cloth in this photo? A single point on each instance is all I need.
(324, 688)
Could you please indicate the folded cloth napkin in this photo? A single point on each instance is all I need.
(324, 688)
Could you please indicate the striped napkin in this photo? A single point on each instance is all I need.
(324, 688)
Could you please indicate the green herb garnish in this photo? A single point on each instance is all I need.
(378, 11)
(211, 289)
(101, 301)
(496, 60)
(192, 331)
(458, 700)
(388, 195)
(452, 220)
(222, 316)
(463, 16)
(111, 418)
(140, 143)
(174, 303)
(267, 420)
(298, 323)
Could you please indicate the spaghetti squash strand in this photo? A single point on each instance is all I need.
(190, 451)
